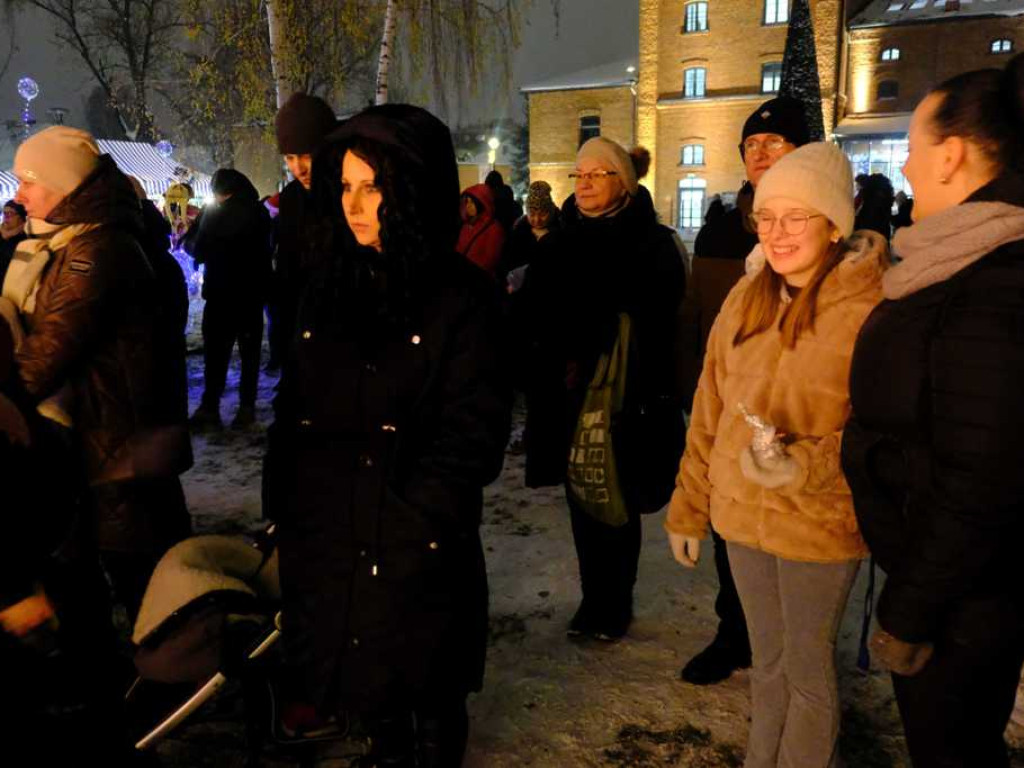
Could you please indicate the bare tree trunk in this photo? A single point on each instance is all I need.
(275, 28)
(384, 64)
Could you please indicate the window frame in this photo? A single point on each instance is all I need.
(889, 97)
(776, 6)
(703, 90)
(698, 188)
(1000, 41)
(582, 128)
(697, 154)
(776, 69)
(695, 4)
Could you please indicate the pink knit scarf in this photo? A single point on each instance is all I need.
(936, 248)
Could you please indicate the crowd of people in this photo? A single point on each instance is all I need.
(800, 390)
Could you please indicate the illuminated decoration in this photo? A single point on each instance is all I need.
(165, 149)
(28, 89)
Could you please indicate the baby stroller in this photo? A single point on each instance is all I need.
(210, 616)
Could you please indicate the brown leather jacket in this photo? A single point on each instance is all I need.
(100, 326)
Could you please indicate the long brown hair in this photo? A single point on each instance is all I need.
(763, 299)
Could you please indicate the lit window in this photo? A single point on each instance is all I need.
(896, 6)
(776, 11)
(888, 89)
(891, 54)
(590, 126)
(696, 17)
(692, 154)
(917, 5)
(1003, 45)
(694, 82)
(691, 203)
(771, 77)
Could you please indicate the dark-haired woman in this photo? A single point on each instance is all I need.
(934, 451)
(393, 414)
(762, 451)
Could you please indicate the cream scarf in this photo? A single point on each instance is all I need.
(936, 248)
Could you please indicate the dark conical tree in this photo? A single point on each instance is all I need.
(800, 67)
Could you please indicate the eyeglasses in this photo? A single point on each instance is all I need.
(592, 175)
(792, 223)
(771, 144)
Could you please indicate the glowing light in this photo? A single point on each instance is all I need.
(493, 143)
(28, 88)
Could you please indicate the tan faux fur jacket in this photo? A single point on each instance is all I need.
(804, 392)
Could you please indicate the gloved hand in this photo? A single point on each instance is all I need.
(765, 460)
(899, 656)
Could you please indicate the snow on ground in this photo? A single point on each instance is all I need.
(547, 701)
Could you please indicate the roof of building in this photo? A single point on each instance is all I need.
(886, 12)
(873, 125)
(616, 73)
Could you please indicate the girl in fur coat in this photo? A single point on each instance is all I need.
(762, 454)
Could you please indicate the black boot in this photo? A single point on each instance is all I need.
(441, 736)
(716, 662)
(392, 741)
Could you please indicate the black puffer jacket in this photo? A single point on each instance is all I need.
(386, 432)
(233, 240)
(597, 269)
(933, 450)
(99, 325)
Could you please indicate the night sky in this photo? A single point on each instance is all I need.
(590, 32)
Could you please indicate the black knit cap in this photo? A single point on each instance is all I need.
(784, 116)
(302, 124)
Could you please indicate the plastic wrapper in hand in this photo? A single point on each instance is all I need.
(765, 444)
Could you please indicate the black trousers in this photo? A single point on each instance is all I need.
(732, 624)
(608, 559)
(955, 711)
(225, 323)
(431, 736)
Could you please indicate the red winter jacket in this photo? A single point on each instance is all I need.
(482, 240)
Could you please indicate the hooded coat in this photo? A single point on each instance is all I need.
(388, 425)
(233, 240)
(804, 392)
(482, 240)
(102, 324)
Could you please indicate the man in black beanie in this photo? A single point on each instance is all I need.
(772, 131)
(302, 123)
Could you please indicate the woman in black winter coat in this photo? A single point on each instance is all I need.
(612, 257)
(934, 451)
(393, 413)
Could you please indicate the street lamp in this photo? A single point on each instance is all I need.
(492, 156)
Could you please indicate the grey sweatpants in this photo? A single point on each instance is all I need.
(793, 613)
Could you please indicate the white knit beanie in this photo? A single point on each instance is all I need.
(819, 176)
(58, 158)
(613, 157)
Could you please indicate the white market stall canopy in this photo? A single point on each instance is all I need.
(156, 172)
(8, 186)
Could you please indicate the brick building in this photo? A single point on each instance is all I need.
(704, 65)
(566, 111)
(898, 50)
